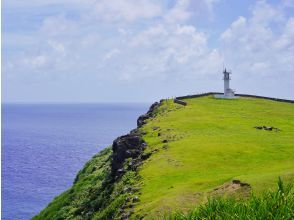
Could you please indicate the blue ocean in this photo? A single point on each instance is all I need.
(45, 145)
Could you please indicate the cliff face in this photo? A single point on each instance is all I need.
(128, 150)
(150, 114)
(105, 188)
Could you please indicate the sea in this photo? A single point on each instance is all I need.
(45, 145)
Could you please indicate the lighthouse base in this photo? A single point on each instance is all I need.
(222, 96)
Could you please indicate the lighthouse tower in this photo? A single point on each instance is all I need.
(228, 92)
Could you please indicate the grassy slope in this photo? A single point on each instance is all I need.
(212, 141)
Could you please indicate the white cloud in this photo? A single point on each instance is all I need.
(168, 52)
(58, 47)
(285, 40)
(150, 42)
(263, 14)
(149, 36)
(112, 53)
(258, 51)
(179, 13)
(237, 26)
(203, 7)
(126, 10)
(35, 62)
(183, 10)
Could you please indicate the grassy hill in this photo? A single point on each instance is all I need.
(210, 142)
(196, 151)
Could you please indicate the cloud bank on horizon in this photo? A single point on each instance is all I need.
(143, 50)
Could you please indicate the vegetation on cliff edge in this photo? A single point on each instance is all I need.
(93, 194)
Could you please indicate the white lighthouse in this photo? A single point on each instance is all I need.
(228, 92)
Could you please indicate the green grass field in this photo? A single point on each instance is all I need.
(210, 142)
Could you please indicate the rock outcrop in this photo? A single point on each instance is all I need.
(150, 114)
(267, 128)
(128, 150)
(124, 147)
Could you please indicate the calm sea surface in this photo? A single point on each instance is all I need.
(44, 146)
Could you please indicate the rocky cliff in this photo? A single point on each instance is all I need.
(104, 188)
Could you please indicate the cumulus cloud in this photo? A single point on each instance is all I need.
(179, 12)
(254, 45)
(183, 10)
(150, 41)
(258, 52)
(155, 48)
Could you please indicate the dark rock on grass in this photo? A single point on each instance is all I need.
(155, 128)
(145, 156)
(165, 141)
(238, 182)
(125, 216)
(267, 128)
(127, 190)
(134, 164)
(165, 147)
(135, 199)
(121, 170)
(130, 206)
(142, 119)
(144, 145)
(159, 134)
(127, 146)
(135, 189)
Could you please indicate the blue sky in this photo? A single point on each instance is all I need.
(144, 50)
